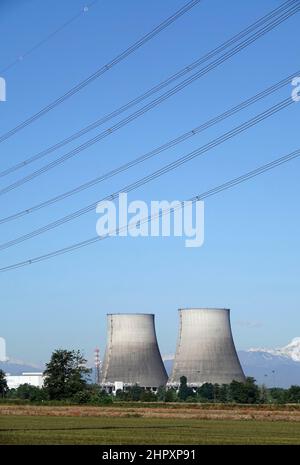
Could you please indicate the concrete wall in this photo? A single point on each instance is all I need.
(205, 349)
(132, 354)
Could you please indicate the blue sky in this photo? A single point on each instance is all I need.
(250, 261)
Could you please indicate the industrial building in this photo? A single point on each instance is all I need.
(34, 379)
(132, 355)
(205, 350)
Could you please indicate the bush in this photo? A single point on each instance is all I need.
(191, 399)
(28, 392)
(82, 397)
(294, 394)
(148, 396)
(279, 395)
(206, 392)
(244, 393)
(161, 394)
(100, 399)
(171, 395)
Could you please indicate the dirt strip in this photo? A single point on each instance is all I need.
(240, 413)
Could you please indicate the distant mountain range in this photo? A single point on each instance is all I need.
(271, 370)
(291, 351)
(16, 367)
(272, 367)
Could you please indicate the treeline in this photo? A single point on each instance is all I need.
(90, 394)
(235, 392)
(67, 380)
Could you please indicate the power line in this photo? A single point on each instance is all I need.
(124, 167)
(222, 187)
(102, 70)
(150, 105)
(46, 39)
(156, 174)
(152, 91)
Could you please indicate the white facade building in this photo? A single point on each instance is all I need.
(34, 379)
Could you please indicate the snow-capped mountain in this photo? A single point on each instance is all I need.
(291, 350)
(16, 367)
(273, 367)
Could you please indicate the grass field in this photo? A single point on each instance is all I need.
(97, 430)
(96, 425)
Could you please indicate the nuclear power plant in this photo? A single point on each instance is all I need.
(205, 350)
(132, 355)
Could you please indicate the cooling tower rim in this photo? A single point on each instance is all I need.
(186, 309)
(130, 314)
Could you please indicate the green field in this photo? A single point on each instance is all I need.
(97, 430)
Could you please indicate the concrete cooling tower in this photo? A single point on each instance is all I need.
(132, 355)
(205, 349)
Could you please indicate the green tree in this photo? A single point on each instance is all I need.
(206, 392)
(135, 392)
(184, 391)
(66, 374)
(100, 397)
(264, 396)
(294, 394)
(82, 397)
(161, 394)
(245, 393)
(32, 393)
(252, 391)
(237, 393)
(148, 396)
(3, 384)
(223, 394)
(122, 395)
(279, 395)
(217, 392)
(171, 395)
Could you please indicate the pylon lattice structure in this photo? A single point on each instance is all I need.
(97, 365)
